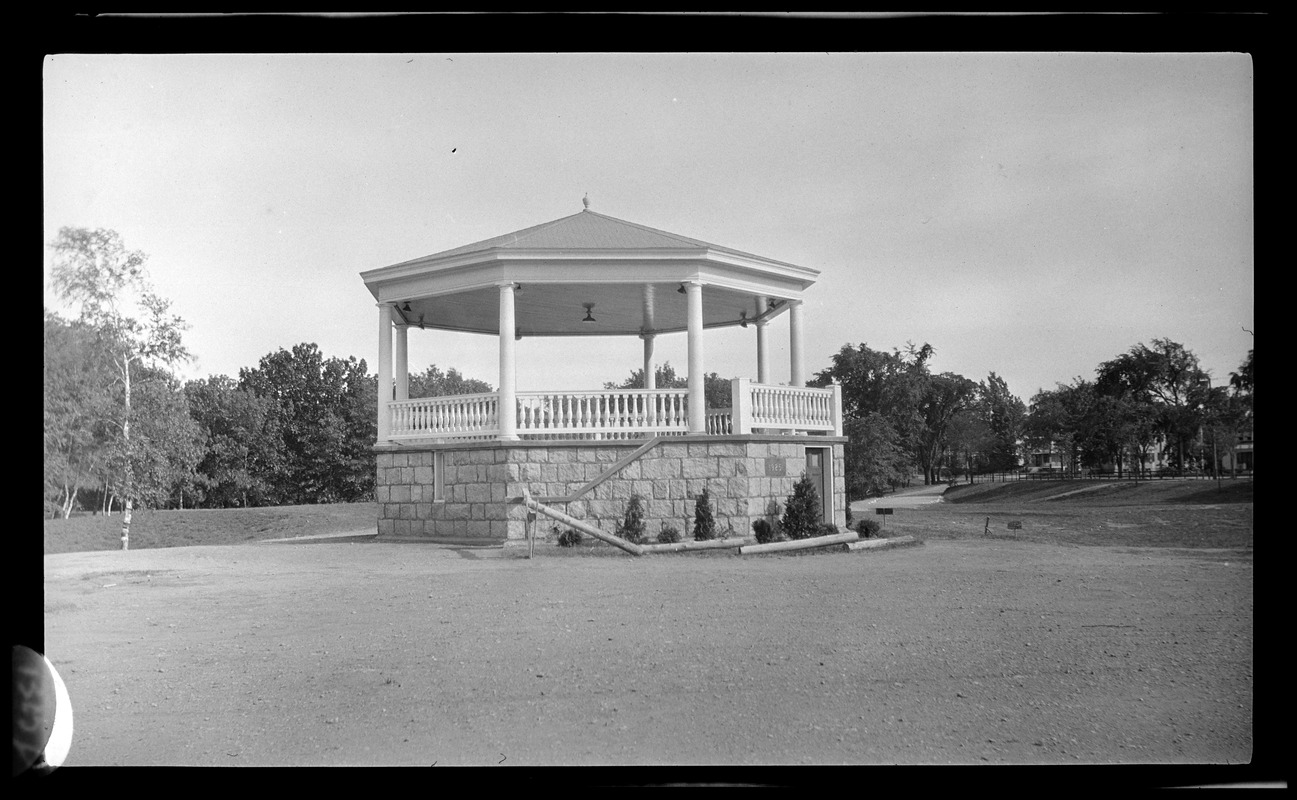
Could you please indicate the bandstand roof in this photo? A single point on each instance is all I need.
(631, 274)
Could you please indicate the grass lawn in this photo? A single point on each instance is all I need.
(205, 526)
(1192, 513)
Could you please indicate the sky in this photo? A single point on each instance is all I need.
(1028, 214)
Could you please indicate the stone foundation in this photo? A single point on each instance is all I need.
(481, 481)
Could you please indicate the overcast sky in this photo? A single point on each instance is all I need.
(1027, 214)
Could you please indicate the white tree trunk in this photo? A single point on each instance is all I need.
(128, 483)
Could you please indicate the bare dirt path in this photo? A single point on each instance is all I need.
(957, 652)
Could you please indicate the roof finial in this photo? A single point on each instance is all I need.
(585, 201)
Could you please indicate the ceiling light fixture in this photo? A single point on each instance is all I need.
(681, 290)
(743, 319)
(406, 308)
(588, 308)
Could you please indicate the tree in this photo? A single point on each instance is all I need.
(323, 409)
(76, 409)
(1166, 376)
(1241, 381)
(716, 390)
(970, 440)
(1005, 416)
(168, 445)
(1056, 419)
(943, 397)
(889, 385)
(874, 460)
(432, 382)
(1241, 401)
(93, 270)
(242, 460)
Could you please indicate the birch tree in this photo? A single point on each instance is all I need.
(110, 288)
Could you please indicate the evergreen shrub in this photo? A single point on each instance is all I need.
(802, 516)
(632, 527)
(704, 522)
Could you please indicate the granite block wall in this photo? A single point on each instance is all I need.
(480, 480)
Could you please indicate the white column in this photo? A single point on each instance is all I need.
(763, 343)
(646, 333)
(797, 369)
(402, 361)
(741, 405)
(697, 398)
(508, 366)
(837, 408)
(384, 370)
(650, 372)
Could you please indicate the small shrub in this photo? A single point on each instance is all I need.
(773, 514)
(765, 532)
(632, 527)
(868, 528)
(569, 538)
(704, 522)
(849, 514)
(802, 516)
(827, 529)
(668, 535)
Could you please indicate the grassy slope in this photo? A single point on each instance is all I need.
(1106, 494)
(207, 526)
(1191, 514)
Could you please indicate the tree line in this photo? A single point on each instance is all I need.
(121, 430)
(1152, 402)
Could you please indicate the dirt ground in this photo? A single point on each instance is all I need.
(367, 653)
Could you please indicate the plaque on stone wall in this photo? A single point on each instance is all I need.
(776, 467)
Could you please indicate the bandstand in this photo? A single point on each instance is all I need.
(454, 468)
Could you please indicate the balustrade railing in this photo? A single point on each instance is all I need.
(720, 421)
(785, 408)
(460, 416)
(611, 413)
(618, 413)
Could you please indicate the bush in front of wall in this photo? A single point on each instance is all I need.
(868, 528)
(828, 529)
(668, 535)
(632, 527)
(774, 512)
(765, 532)
(704, 522)
(802, 516)
(569, 538)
